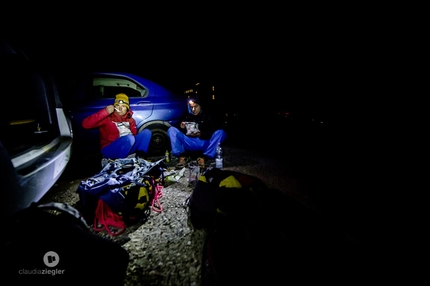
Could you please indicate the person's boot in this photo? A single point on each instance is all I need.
(201, 162)
(182, 162)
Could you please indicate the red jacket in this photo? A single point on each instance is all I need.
(108, 125)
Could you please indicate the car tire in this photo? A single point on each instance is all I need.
(160, 141)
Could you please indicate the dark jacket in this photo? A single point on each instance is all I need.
(207, 125)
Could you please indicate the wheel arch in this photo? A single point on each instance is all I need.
(160, 141)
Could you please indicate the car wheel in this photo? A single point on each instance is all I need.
(160, 141)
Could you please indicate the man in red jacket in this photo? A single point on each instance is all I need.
(118, 132)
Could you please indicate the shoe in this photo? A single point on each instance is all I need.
(182, 162)
(201, 162)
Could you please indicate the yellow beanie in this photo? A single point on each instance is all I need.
(122, 98)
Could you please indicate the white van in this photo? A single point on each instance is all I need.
(35, 136)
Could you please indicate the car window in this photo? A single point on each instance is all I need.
(108, 87)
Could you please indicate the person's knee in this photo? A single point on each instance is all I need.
(146, 132)
(172, 130)
(131, 140)
(221, 134)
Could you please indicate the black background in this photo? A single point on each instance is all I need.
(303, 57)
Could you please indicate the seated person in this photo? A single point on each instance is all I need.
(204, 137)
(118, 132)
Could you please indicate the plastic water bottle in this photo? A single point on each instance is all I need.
(167, 156)
(219, 158)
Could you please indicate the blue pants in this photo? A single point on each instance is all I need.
(129, 144)
(182, 143)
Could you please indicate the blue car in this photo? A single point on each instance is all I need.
(154, 107)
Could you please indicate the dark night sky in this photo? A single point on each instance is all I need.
(285, 56)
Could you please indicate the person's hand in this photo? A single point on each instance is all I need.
(110, 109)
(182, 125)
(195, 134)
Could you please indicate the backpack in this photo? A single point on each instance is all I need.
(228, 205)
(219, 194)
(256, 235)
(128, 186)
(139, 195)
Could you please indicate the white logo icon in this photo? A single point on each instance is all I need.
(51, 259)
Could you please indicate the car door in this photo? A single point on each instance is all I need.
(94, 92)
(35, 137)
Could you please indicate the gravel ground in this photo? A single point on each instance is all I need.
(166, 250)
